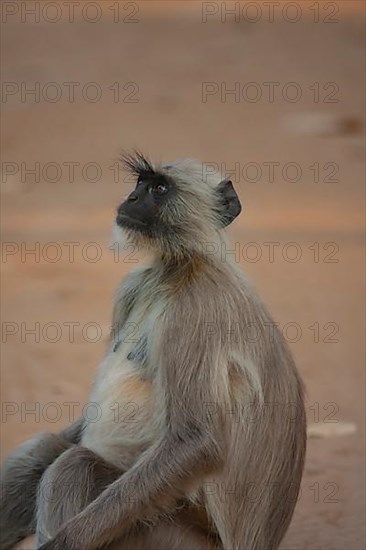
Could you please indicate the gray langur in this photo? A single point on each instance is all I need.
(209, 451)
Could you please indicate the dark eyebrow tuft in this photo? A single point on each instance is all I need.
(136, 163)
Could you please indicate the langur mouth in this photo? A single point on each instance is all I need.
(125, 221)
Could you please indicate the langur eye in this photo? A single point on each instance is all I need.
(159, 189)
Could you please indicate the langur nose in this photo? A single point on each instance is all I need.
(133, 197)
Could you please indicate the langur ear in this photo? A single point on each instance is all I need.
(229, 204)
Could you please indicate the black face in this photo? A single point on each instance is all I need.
(141, 210)
(229, 204)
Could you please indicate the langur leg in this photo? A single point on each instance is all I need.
(20, 476)
(73, 481)
(78, 476)
(168, 534)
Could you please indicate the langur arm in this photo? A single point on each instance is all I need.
(191, 446)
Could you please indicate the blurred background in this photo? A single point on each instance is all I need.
(271, 94)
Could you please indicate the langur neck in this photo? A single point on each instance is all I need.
(215, 253)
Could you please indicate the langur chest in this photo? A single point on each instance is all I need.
(123, 396)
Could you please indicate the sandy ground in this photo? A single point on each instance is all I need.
(314, 286)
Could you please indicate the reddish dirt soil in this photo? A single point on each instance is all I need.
(318, 300)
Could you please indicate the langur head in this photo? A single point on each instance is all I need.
(175, 209)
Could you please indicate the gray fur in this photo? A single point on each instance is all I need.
(211, 431)
(20, 476)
